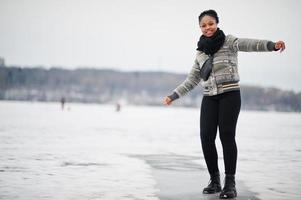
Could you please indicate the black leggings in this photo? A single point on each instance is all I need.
(220, 111)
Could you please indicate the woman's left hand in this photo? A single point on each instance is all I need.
(280, 45)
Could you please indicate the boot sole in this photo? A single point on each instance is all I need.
(228, 196)
(212, 192)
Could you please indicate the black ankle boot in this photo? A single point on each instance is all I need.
(214, 184)
(229, 190)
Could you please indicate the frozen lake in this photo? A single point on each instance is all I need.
(89, 151)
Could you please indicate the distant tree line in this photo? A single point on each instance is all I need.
(110, 86)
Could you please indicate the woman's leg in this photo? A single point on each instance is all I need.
(229, 108)
(208, 129)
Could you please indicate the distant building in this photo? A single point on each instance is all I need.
(2, 62)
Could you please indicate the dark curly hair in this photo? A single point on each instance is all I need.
(211, 13)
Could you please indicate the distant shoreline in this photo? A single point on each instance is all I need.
(138, 88)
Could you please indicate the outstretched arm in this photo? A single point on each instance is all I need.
(186, 86)
(250, 45)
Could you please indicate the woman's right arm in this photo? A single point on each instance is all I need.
(187, 85)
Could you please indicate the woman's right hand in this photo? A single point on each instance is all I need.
(167, 101)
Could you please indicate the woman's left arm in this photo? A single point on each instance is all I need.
(251, 45)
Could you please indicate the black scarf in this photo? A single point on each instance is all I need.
(210, 45)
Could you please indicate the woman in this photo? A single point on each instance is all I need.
(221, 101)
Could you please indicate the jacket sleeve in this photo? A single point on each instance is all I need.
(250, 45)
(190, 82)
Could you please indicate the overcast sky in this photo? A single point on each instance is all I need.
(148, 35)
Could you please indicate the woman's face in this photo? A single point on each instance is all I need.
(208, 25)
